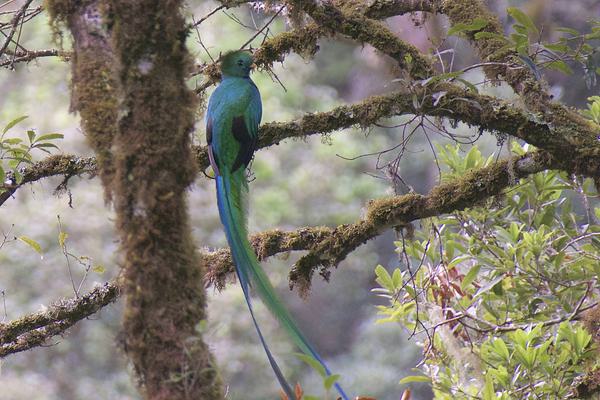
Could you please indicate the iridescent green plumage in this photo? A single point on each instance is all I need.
(234, 113)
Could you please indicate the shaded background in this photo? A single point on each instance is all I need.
(298, 183)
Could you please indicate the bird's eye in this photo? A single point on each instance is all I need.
(240, 63)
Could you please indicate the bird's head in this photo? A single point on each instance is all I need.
(237, 63)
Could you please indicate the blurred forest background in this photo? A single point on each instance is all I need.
(319, 181)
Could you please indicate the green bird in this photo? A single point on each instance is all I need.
(232, 119)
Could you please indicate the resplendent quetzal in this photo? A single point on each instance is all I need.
(232, 119)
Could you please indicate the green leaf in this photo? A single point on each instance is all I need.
(521, 42)
(99, 269)
(476, 25)
(468, 84)
(470, 277)
(13, 123)
(313, 363)
(384, 278)
(31, 135)
(441, 77)
(330, 381)
(42, 146)
(13, 141)
(31, 243)
(414, 378)
(50, 136)
(592, 36)
(573, 32)
(522, 19)
(501, 349)
(557, 47)
(397, 278)
(488, 388)
(560, 66)
(62, 237)
(488, 286)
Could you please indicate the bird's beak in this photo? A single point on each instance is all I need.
(253, 66)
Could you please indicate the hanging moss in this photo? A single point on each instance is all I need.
(93, 86)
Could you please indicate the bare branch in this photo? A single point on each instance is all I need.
(15, 21)
(27, 56)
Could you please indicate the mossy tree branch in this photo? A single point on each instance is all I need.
(304, 40)
(441, 100)
(327, 246)
(37, 329)
(348, 20)
(31, 55)
(63, 165)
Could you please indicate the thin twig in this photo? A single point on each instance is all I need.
(15, 23)
(263, 28)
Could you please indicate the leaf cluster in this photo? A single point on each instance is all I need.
(496, 290)
(16, 152)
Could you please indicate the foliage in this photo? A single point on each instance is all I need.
(593, 111)
(16, 151)
(494, 292)
(572, 48)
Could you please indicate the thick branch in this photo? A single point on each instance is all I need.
(398, 211)
(327, 246)
(348, 20)
(446, 100)
(153, 167)
(304, 40)
(36, 329)
(380, 9)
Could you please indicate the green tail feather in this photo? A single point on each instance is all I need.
(232, 192)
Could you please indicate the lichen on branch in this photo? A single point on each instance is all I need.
(37, 329)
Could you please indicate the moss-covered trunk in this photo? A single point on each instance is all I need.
(153, 168)
(129, 72)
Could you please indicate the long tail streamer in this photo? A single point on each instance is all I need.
(231, 197)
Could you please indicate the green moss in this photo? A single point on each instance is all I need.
(349, 20)
(95, 96)
(153, 167)
(60, 10)
(303, 41)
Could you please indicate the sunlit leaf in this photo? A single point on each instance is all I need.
(31, 243)
(13, 123)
